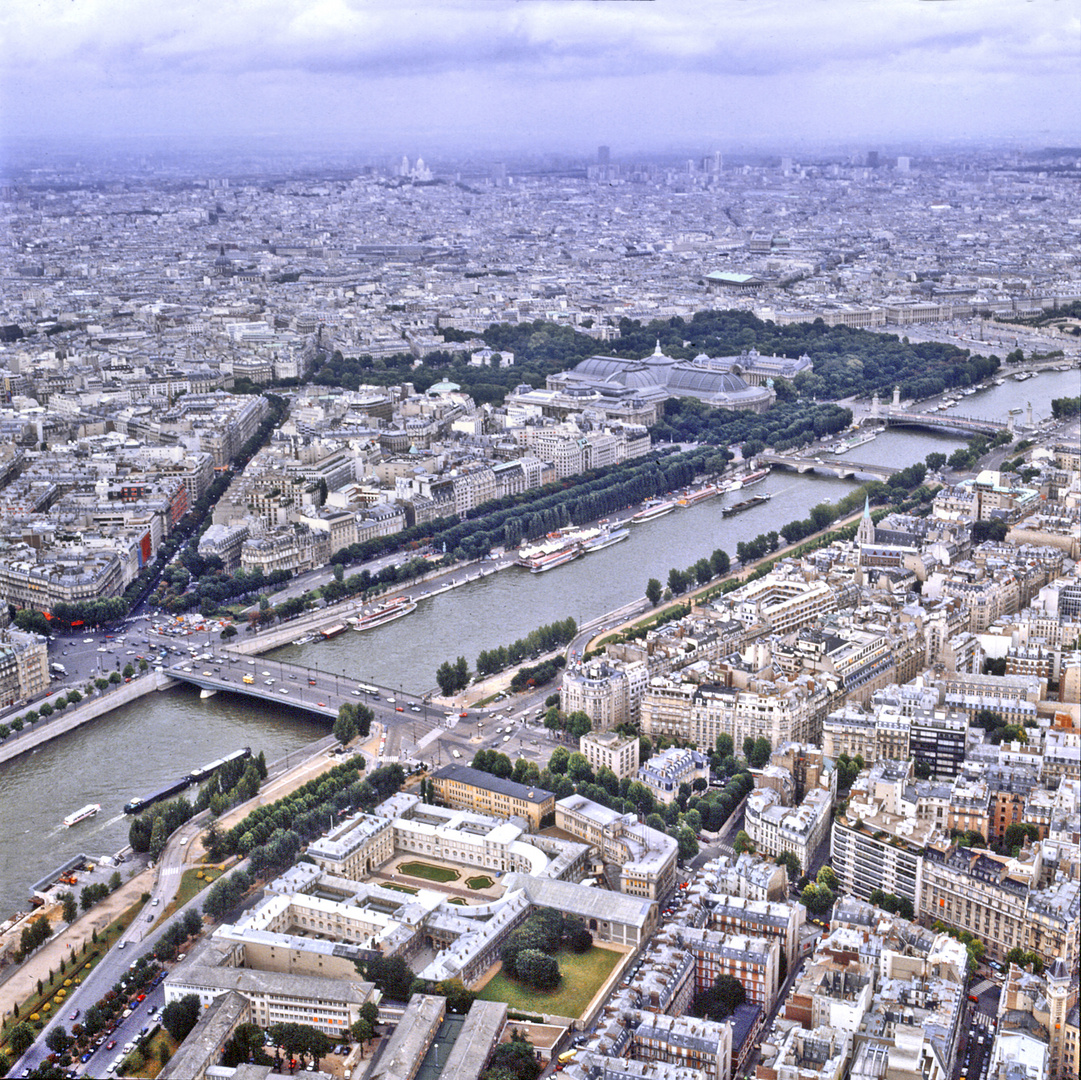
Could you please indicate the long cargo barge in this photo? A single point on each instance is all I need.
(746, 504)
(197, 776)
(177, 786)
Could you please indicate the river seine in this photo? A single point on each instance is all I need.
(165, 735)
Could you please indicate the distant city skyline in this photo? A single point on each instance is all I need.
(543, 75)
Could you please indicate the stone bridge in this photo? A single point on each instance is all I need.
(835, 466)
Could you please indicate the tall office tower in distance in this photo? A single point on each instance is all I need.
(872, 159)
(604, 155)
(786, 166)
(904, 164)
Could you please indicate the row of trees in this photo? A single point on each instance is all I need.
(540, 674)
(92, 893)
(544, 639)
(891, 902)
(150, 830)
(305, 811)
(679, 581)
(56, 705)
(235, 782)
(189, 925)
(226, 893)
(1063, 408)
(34, 936)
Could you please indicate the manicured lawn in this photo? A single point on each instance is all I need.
(402, 888)
(191, 885)
(458, 900)
(482, 881)
(582, 977)
(429, 872)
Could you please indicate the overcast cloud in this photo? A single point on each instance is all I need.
(547, 74)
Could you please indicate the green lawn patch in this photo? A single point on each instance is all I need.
(583, 976)
(481, 881)
(402, 888)
(429, 872)
(192, 882)
(458, 900)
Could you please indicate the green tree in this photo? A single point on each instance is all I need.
(179, 1017)
(687, 843)
(578, 724)
(71, 908)
(58, 1040)
(446, 678)
(743, 843)
(654, 591)
(817, 899)
(345, 727)
(362, 1031)
(720, 1000)
(790, 861)
(515, 1058)
(21, 1038)
(158, 837)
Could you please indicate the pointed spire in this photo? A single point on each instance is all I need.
(866, 506)
(657, 350)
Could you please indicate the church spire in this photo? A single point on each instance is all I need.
(865, 534)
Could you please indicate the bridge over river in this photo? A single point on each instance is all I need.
(972, 425)
(835, 466)
(320, 693)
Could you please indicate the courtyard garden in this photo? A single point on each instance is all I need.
(583, 974)
(481, 881)
(429, 871)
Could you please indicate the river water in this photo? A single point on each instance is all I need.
(162, 736)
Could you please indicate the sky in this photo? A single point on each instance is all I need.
(504, 76)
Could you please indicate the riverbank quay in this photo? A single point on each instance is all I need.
(35, 735)
(184, 851)
(661, 614)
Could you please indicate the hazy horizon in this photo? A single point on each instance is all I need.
(542, 76)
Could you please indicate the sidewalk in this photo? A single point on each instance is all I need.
(22, 982)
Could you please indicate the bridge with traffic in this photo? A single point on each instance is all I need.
(841, 467)
(972, 425)
(320, 693)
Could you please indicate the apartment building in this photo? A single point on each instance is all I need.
(665, 772)
(703, 1045)
(612, 751)
(754, 961)
(776, 828)
(608, 691)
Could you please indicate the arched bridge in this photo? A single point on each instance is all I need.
(841, 467)
(974, 425)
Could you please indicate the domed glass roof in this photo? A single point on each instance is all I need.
(698, 381)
